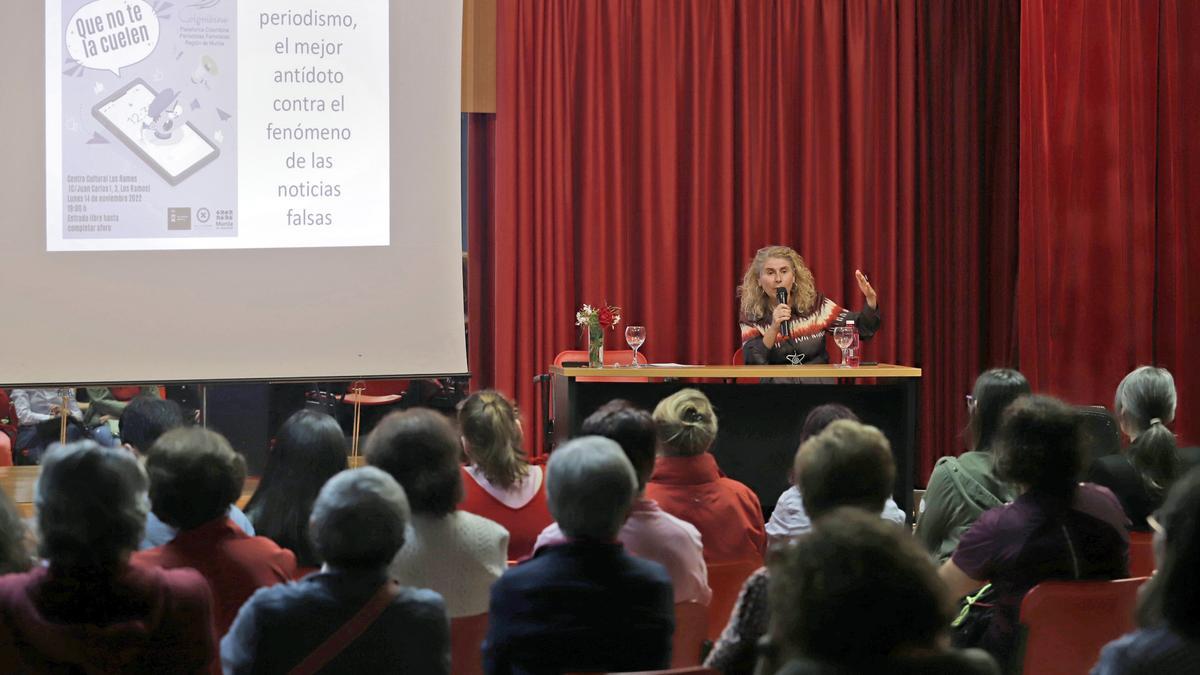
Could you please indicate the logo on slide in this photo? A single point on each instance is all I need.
(203, 214)
(179, 218)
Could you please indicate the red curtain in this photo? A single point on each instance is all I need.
(642, 151)
(1109, 200)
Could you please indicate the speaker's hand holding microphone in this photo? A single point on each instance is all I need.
(782, 315)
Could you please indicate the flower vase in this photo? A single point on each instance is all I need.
(595, 344)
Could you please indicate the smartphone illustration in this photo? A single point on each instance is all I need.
(174, 151)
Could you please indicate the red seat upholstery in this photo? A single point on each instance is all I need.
(466, 644)
(376, 392)
(725, 580)
(1067, 622)
(691, 622)
(1141, 554)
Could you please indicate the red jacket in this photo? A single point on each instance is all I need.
(234, 563)
(726, 512)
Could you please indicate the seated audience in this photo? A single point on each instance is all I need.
(847, 464)
(860, 596)
(1168, 642)
(194, 475)
(458, 554)
(104, 406)
(584, 605)
(357, 526)
(143, 421)
(15, 552)
(308, 450)
(789, 519)
(1057, 528)
(962, 488)
(1141, 475)
(87, 609)
(649, 532)
(688, 484)
(500, 483)
(38, 419)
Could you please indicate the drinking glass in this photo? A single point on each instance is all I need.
(843, 336)
(635, 336)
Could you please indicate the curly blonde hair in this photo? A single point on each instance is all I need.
(685, 423)
(755, 304)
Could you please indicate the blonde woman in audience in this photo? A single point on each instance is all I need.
(455, 553)
(87, 609)
(687, 482)
(499, 482)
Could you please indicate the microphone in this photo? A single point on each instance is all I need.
(785, 327)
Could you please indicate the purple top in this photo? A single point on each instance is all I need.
(1019, 545)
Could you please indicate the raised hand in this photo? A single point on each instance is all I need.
(867, 289)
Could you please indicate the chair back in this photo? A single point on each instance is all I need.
(691, 622)
(613, 357)
(124, 393)
(1141, 554)
(466, 644)
(739, 359)
(1067, 622)
(725, 580)
(376, 392)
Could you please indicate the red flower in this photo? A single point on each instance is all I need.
(607, 317)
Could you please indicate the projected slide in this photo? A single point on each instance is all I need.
(201, 124)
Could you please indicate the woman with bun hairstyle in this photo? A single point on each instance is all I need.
(807, 313)
(688, 484)
(1141, 476)
(499, 482)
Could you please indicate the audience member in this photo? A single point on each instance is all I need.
(860, 596)
(358, 524)
(39, 419)
(688, 484)
(455, 553)
(847, 464)
(1168, 641)
(15, 554)
(143, 421)
(1141, 476)
(500, 483)
(585, 605)
(789, 519)
(8, 427)
(962, 488)
(649, 532)
(1056, 529)
(194, 475)
(104, 407)
(308, 450)
(88, 609)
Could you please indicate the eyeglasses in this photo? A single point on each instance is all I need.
(1152, 521)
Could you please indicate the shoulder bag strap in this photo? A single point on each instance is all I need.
(342, 637)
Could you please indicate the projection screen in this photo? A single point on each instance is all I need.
(219, 190)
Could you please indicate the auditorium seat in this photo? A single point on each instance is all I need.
(1065, 623)
(1141, 554)
(466, 644)
(376, 392)
(691, 622)
(725, 580)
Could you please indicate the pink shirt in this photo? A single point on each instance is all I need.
(653, 534)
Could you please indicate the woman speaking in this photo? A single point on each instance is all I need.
(777, 291)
